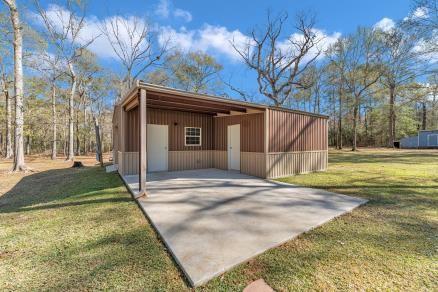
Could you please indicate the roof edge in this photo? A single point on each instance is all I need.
(164, 89)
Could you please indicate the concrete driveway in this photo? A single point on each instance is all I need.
(212, 220)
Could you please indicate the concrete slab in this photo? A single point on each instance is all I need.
(212, 220)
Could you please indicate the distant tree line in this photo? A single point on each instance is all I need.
(375, 84)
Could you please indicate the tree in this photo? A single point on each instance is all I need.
(63, 29)
(360, 57)
(5, 30)
(19, 164)
(88, 70)
(336, 70)
(51, 69)
(279, 65)
(4, 82)
(423, 23)
(400, 66)
(132, 41)
(192, 71)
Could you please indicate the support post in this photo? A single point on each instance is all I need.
(122, 139)
(142, 142)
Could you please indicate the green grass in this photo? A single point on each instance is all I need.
(79, 229)
(71, 229)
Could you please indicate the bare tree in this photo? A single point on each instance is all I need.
(279, 65)
(132, 41)
(19, 164)
(51, 69)
(64, 27)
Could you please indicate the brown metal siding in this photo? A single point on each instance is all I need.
(176, 121)
(291, 132)
(251, 132)
(132, 130)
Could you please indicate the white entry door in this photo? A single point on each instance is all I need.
(157, 147)
(234, 147)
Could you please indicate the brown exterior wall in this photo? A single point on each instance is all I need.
(296, 143)
(292, 132)
(132, 130)
(251, 132)
(290, 163)
(176, 120)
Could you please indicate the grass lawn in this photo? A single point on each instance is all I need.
(62, 229)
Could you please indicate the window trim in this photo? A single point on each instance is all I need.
(185, 137)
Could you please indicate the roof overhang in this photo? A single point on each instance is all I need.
(166, 98)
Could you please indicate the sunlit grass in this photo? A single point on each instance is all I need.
(66, 229)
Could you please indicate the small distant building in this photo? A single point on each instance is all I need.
(426, 139)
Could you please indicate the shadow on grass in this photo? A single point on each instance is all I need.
(86, 238)
(390, 157)
(59, 188)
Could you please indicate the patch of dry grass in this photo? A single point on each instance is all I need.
(78, 229)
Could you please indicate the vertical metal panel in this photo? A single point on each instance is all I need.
(290, 132)
(220, 159)
(290, 163)
(131, 130)
(128, 163)
(176, 120)
(253, 163)
(251, 131)
(184, 160)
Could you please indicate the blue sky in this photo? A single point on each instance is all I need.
(208, 25)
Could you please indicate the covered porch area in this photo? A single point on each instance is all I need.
(158, 129)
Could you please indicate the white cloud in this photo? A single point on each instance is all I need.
(385, 24)
(184, 14)
(165, 9)
(129, 25)
(419, 13)
(218, 40)
(215, 39)
(425, 52)
(162, 9)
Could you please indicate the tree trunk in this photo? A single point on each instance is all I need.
(424, 116)
(366, 127)
(355, 116)
(27, 145)
(98, 142)
(339, 140)
(70, 155)
(8, 152)
(19, 164)
(78, 142)
(84, 141)
(54, 134)
(391, 128)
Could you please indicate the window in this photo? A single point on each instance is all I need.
(192, 136)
